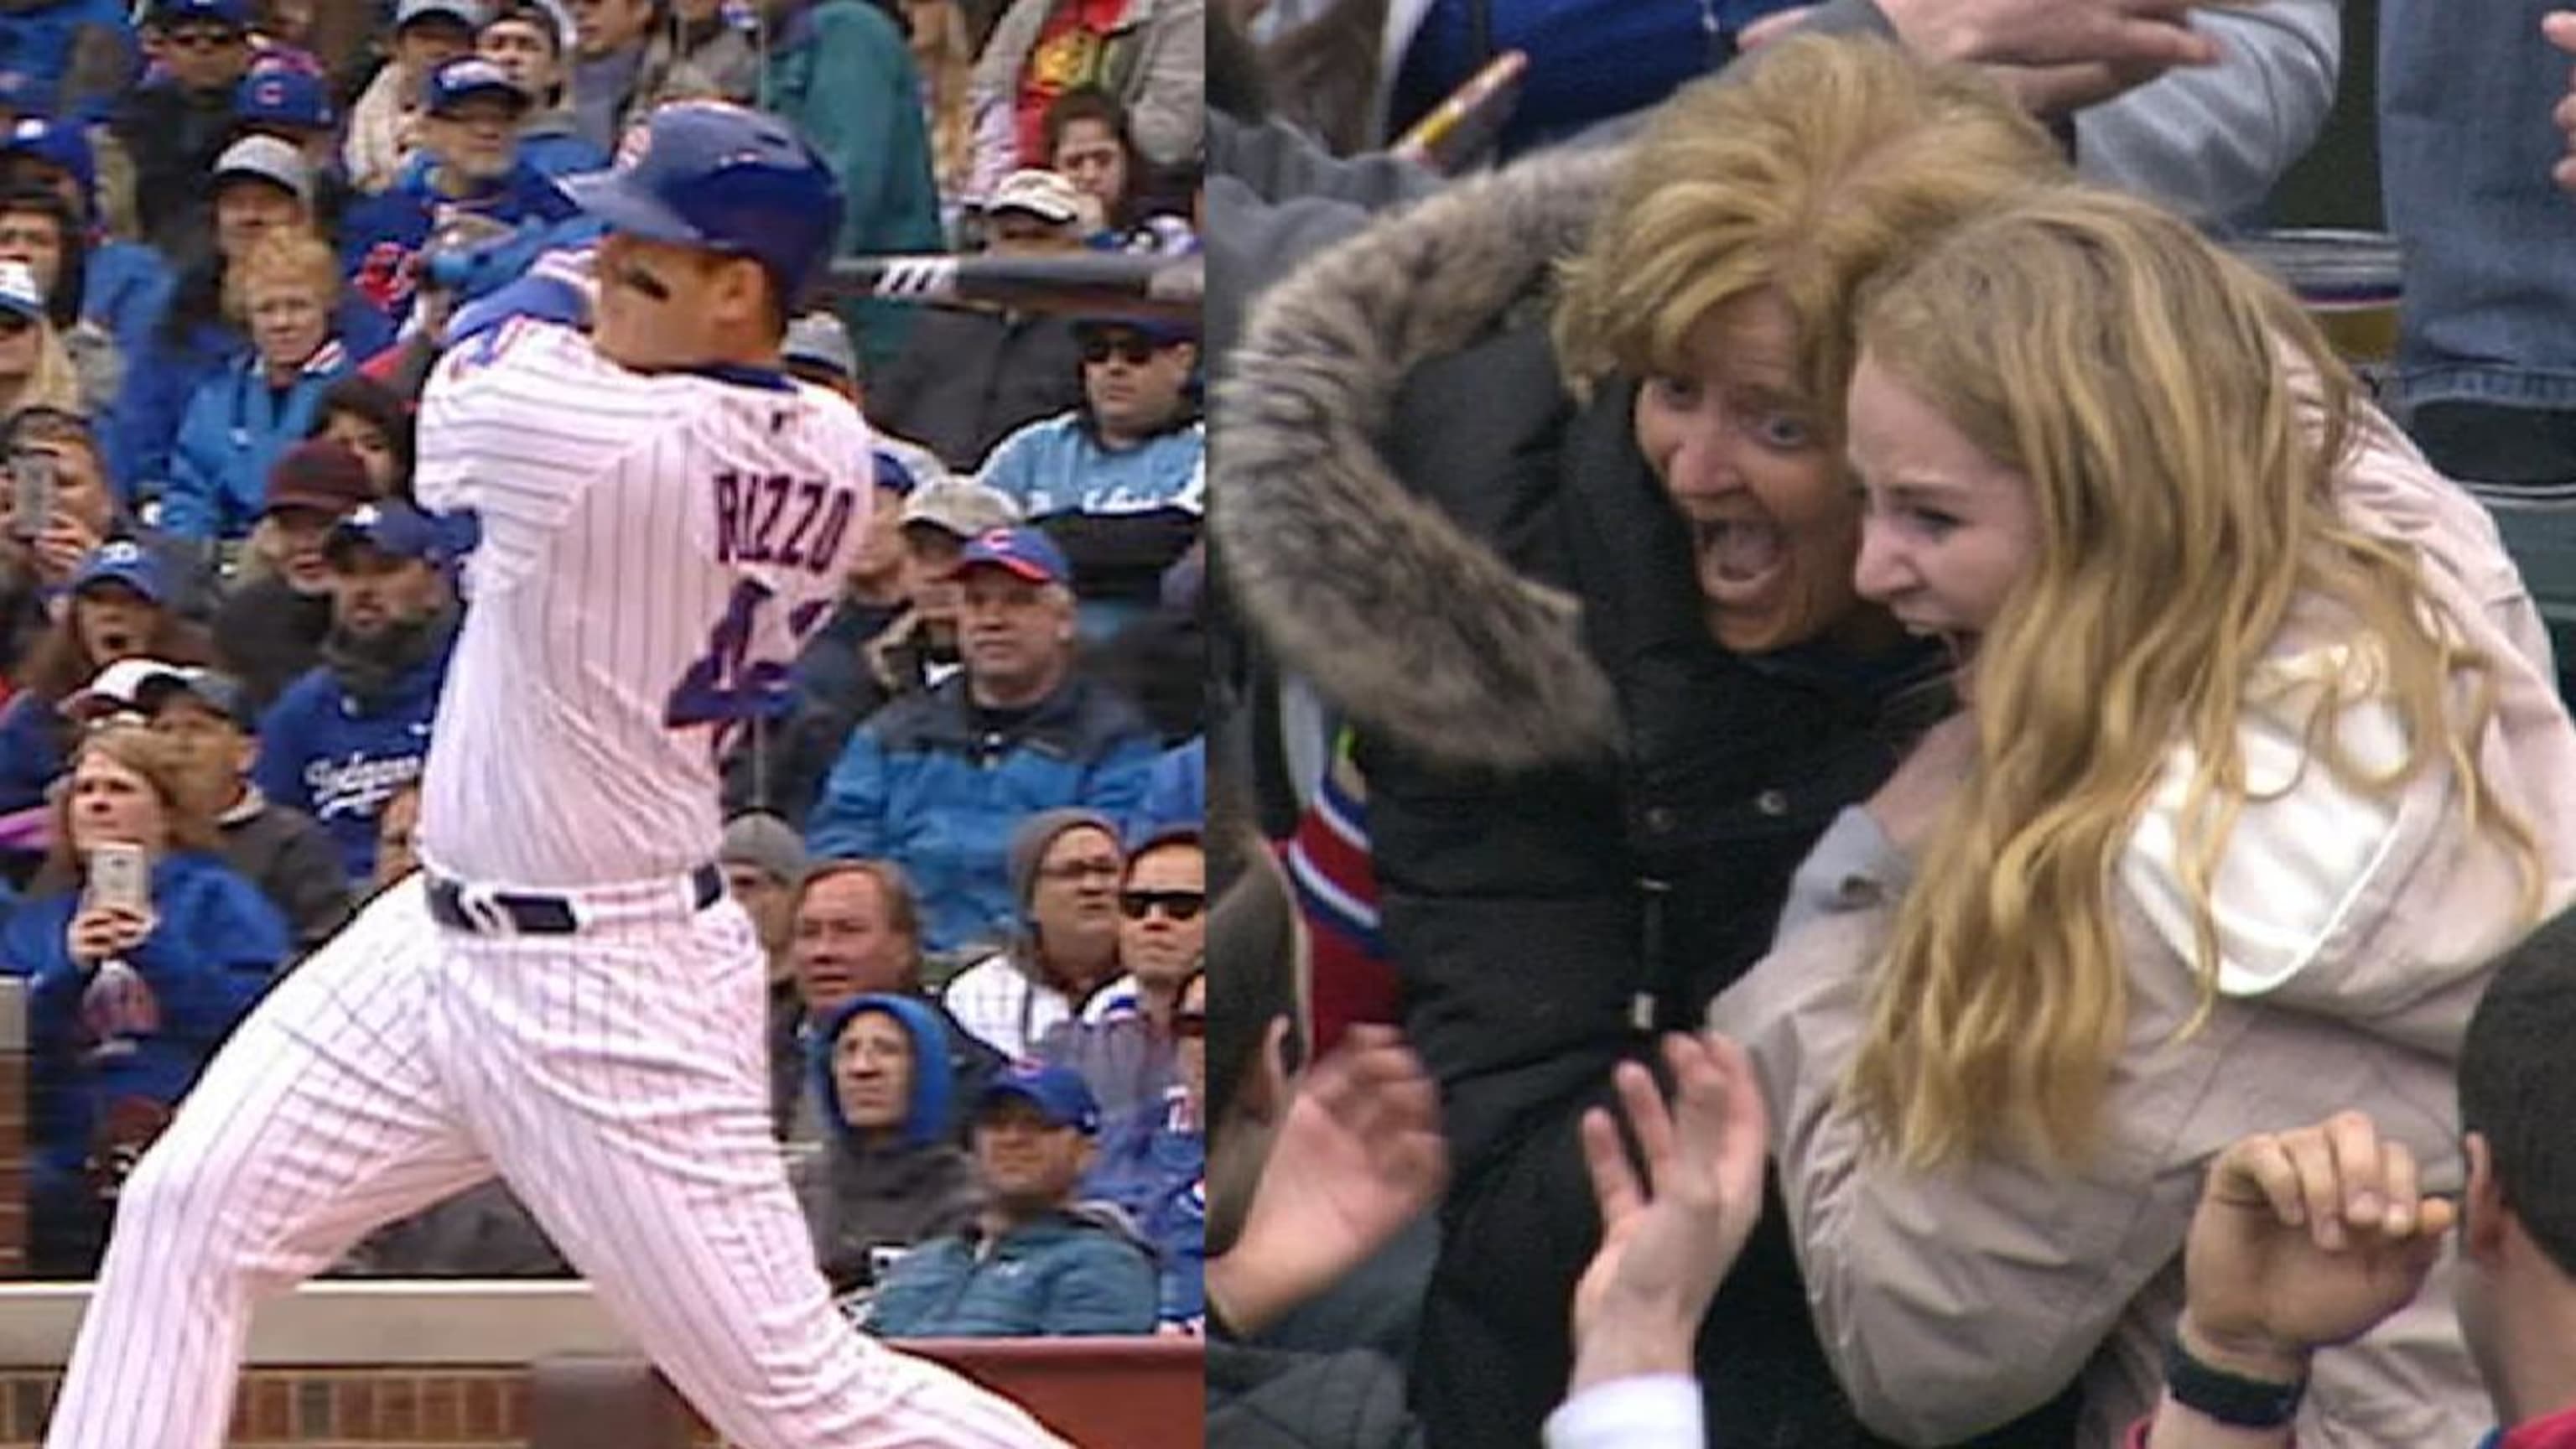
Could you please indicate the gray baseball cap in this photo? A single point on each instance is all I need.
(818, 339)
(960, 506)
(269, 159)
(766, 843)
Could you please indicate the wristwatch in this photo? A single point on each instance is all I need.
(2231, 1399)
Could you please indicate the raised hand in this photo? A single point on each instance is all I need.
(2303, 1240)
(1668, 1239)
(2559, 28)
(1357, 1157)
(2149, 35)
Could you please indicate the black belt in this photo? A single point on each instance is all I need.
(530, 914)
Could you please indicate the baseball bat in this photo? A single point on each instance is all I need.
(1093, 284)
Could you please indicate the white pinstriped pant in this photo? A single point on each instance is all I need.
(615, 1078)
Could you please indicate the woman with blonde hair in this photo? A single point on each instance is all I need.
(286, 291)
(1585, 595)
(2262, 763)
(125, 1006)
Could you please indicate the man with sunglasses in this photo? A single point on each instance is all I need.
(563, 995)
(1121, 481)
(175, 125)
(1125, 1045)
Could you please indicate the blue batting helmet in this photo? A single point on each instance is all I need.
(719, 176)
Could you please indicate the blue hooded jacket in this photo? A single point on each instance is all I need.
(861, 1197)
(325, 753)
(217, 945)
(236, 427)
(921, 785)
(934, 1090)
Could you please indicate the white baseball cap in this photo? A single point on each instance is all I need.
(1047, 195)
(19, 292)
(115, 687)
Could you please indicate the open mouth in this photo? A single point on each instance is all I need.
(1738, 559)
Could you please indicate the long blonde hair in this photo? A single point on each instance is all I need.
(2181, 423)
(54, 382)
(1825, 161)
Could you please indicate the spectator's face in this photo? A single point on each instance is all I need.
(1027, 1164)
(296, 536)
(881, 552)
(1134, 386)
(524, 53)
(930, 572)
(1089, 156)
(603, 27)
(396, 855)
(205, 57)
(872, 1072)
(289, 321)
(1950, 532)
(1774, 526)
(246, 209)
(1018, 234)
(1075, 899)
(764, 898)
(359, 434)
(373, 592)
(34, 238)
(1014, 634)
(290, 21)
(846, 943)
(1164, 885)
(432, 41)
(1189, 1032)
(216, 746)
(477, 139)
(110, 802)
(113, 622)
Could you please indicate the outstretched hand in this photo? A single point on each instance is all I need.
(1357, 1157)
(2135, 35)
(1668, 1239)
(2304, 1240)
(2558, 27)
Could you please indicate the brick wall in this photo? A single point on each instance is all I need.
(315, 1408)
(13, 1129)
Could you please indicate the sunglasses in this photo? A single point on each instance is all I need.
(1136, 350)
(194, 40)
(1191, 1025)
(1179, 905)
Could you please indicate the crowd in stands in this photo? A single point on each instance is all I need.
(1829, 590)
(233, 235)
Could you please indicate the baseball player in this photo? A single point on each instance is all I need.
(564, 994)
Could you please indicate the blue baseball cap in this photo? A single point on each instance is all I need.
(1059, 1094)
(397, 530)
(231, 14)
(56, 143)
(724, 178)
(1024, 552)
(121, 561)
(281, 97)
(462, 79)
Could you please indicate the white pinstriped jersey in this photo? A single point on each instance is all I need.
(654, 548)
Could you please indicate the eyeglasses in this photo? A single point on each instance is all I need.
(1083, 870)
(1189, 1025)
(1179, 905)
(1136, 350)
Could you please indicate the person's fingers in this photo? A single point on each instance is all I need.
(2559, 28)
(2158, 43)
(2311, 1156)
(2259, 1168)
(2435, 1217)
(2563, 115)
(1747, 1118)
(2398, 1179)
(1605, 1161)
(2564, 173)
(1651, 1122)
(2360, 1168)
(1771, 27)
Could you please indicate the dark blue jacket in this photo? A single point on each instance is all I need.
(1155, 1169)
(922, 785)
(338, 760)
(216, 947)
(33, 737)
(36, 46)
(380, 235)
(1066, 1274)
(235, 429)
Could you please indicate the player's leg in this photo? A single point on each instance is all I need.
(620, 1088)
(319, 1119)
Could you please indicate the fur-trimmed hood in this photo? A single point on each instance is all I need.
(1409, 625)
